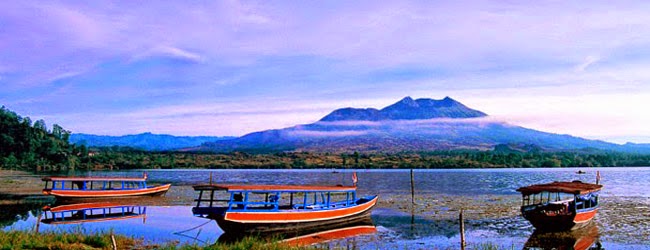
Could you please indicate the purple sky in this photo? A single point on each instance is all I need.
(230, 68)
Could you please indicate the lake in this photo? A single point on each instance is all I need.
(487, 196)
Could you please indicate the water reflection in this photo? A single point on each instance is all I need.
(92, 212)
(12, 213)
(586, 238)
(314, 235)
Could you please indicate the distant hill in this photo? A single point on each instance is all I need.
(637, 147)
(146, 141)
(408, 125)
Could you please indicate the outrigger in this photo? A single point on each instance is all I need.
(277, 208)
(560, 206)
(65, 188)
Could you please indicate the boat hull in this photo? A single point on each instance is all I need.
(270, 222)
(103, 194)
(319, 234)
(544, 222)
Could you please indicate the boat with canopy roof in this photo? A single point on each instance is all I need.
(560, 206)
(66, 188)
(272, 208)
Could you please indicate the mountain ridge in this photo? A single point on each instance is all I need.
(407, 125)
(407, 109)
(146, 141)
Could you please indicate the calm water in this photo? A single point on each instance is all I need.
(395, 228)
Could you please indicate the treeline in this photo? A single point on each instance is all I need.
(121, 158)
(24, 145)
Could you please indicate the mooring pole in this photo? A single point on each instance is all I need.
(113, 242)
(38, 221)
(462, 230)
(210, 177)
(412, 190)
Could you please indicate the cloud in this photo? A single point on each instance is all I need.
(478, 120)
(589, 60)
(171, 52)
(315, 133)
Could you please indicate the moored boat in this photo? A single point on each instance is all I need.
(560, 206)
(275, 208)
(310, 236)
(67, 188)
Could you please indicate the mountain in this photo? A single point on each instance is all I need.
(407, 109)
(146, 141)
(408, 125)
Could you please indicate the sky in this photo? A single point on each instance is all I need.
(227, 68)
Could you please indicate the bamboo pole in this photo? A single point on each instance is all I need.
(462, 230)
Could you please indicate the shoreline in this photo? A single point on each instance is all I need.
(620, 218)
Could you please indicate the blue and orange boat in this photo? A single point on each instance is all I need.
(68, 188)
(560, 206)
(276, 208)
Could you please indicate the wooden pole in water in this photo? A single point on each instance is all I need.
(462, 230)
(210, 177)
(412, 190)
(412, 201)
(38, 221)
(113, 242)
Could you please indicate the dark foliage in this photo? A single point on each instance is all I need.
(24, 145)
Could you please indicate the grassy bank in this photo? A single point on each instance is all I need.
(14, 239)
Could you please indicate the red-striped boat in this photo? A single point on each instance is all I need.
(67, 188)
(273, 208)
(560, 206)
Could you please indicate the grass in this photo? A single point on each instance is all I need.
(252, 243)
(15, 239)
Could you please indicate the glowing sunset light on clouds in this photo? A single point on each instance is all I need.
(231, 68)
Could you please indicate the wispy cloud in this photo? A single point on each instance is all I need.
(589, 60)
(313, 133)
(352, 123)
(171, 52)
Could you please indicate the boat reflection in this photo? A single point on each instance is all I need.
(316, 235)
(586, 238)
(92, 212)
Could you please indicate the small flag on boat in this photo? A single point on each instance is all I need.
(354, 178)
(597, 177)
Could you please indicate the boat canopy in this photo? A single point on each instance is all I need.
(79, 178)
(271, 188)
(574, 187)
